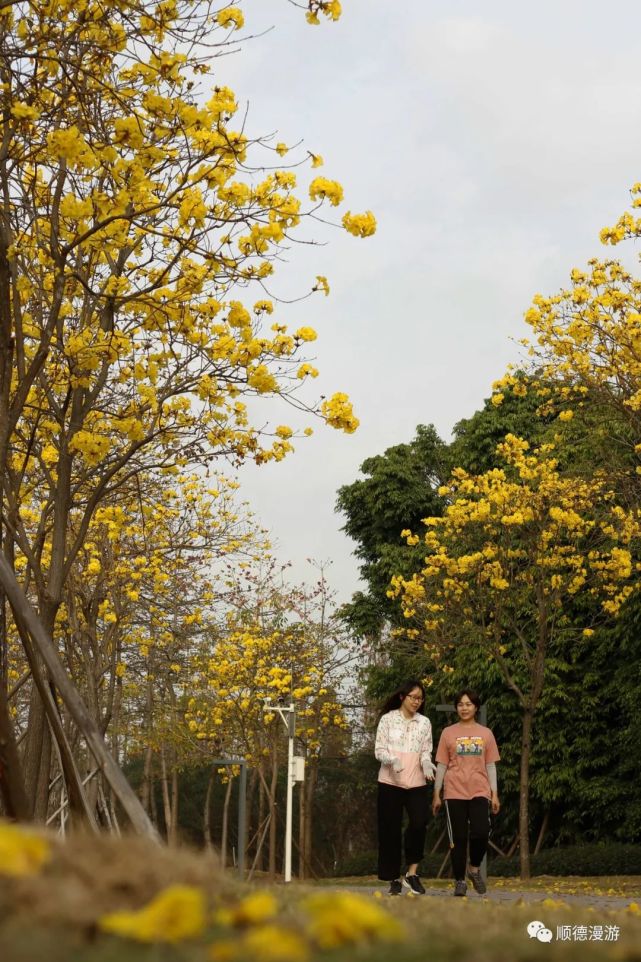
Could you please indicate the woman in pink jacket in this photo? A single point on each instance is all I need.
(404, 749)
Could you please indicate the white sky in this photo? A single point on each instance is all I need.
(492, 140)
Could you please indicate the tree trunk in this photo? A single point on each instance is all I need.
(251, 796)
(12, 790)
(225, 832)
(53, 729)
(542, 832)
(174, 804)
(207, 811)
(524, 793)
(302, 831)
(145, 788)
(41, 799)
(77, 710)
(32, 757)
(309, 786)
(262, 800)
(273, 824)
(166, 801)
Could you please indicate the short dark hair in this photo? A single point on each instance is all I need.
(471, 694)
(402, 692)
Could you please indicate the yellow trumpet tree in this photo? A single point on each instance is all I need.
(139, 226)
(281, 643)
(507, 563)
(136, 601)
(586, 341)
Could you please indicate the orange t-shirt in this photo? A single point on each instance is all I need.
(466, 750)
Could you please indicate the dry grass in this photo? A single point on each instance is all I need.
(53, 917)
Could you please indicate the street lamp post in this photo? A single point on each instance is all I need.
(295, 773)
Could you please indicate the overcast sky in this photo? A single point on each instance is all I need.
(492, 140)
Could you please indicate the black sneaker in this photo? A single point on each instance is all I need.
(413, 883)
(395, 887)
(460, 888)
(477, 881)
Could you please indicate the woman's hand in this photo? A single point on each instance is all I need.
(495, 805)
(428, 770)
(436, 803)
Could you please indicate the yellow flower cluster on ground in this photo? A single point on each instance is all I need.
(325, 921)
(344, 918)
(22, 852)
(177, 913)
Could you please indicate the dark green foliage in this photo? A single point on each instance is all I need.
(579, 860)
(582, 860)
(399, 490)
(344, 810)
(476, 438)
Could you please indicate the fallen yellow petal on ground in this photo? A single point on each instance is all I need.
(343, 918)
(177, 913)
(21, 852)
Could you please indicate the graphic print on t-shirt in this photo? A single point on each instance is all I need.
(469, 745)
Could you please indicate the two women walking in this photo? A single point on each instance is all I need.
(466, 777)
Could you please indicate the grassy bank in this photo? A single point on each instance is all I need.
(103, 900)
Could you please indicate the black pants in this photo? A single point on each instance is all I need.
(462, 815)
(391, 803)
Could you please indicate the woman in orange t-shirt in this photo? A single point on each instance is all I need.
(466, 769)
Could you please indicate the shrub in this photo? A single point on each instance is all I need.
(613, 858)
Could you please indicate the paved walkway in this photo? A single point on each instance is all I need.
(501, 895)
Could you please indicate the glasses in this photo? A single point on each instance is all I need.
(418, 698)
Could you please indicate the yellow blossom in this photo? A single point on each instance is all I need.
(338, 413)
(22, 852)
(360, 225)
(344, 918)
(321, 188)
(306, 334)
(176, 913)
(22, 111)
(254, 909)
(274, 943)
(231, 17)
